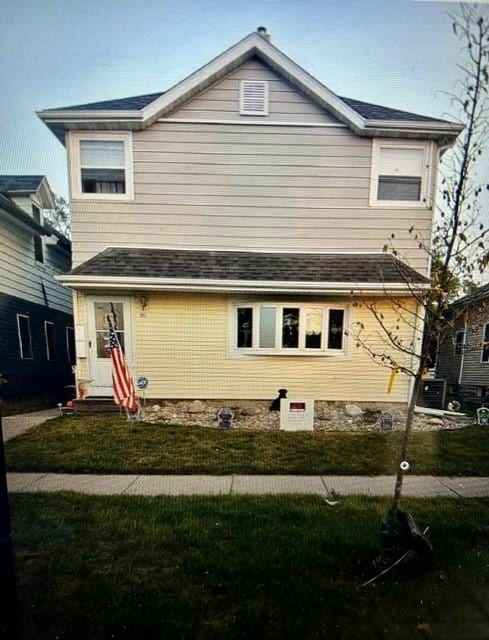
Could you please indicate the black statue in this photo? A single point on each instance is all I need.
(275, 406)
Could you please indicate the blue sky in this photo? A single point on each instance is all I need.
(399, 53)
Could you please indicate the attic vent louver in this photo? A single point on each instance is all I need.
(254, 98)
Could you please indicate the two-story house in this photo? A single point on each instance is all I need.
(232, 222)
(36, 319)
(463, 357)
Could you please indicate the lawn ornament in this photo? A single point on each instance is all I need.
(225, 418)
(275, 406)
(483, 416)
(386, 421)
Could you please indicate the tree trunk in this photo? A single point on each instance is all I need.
(405, 439)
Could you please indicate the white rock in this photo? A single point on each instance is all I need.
(353, 410)
(197, 406)
(155, 407)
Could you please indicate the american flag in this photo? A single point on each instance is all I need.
(122, 383)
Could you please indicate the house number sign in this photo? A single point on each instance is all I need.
(296, 415)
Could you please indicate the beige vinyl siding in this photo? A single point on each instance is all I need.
(252, 187)
(23, 277)
(182, 343)
(221, 101)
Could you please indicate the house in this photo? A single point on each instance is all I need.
(463, 358)
(230, 225)
(36, 319)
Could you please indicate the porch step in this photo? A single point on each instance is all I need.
(95, 405)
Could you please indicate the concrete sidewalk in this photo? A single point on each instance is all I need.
(13, 426)
(168, 485)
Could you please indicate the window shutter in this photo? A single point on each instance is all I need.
(254, 98)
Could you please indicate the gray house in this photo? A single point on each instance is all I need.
(36, 317)
(463, 359)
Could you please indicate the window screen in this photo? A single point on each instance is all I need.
(102, 165)
(400, 174)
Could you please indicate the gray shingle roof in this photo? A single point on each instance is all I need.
(119, 104)
(248, 266)
(377, 112)
(20, 184)
(480, 294)
(365, 109)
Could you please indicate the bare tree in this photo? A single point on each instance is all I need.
(457, 250)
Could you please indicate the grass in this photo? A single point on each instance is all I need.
(102, 444)
(207, 568)
(14, 406)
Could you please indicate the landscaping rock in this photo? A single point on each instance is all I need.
(353, 411)
(197, 406)
(155, 407)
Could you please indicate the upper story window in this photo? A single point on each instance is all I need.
(253, 98)
(38, 244)
(305, 329)
(101, 166)
(399, 174)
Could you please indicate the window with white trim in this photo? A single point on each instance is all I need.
(253, 98)
(101, 166)
(459, 342)
(50, 335)
(399, 174)
(306, 329)
(25, 338)
(38, 243)
(485, 344)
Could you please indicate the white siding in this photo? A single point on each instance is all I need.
(23, 277)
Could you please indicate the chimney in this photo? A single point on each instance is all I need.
(262, 31)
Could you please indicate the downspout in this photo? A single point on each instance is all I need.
(418, 347)
(460, 375)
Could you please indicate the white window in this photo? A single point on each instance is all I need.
(101, 166)
(305, 329)
(50, 336)
(400, 174)
(459, 342)
(25, 338)
(253, 98)
(485, 344)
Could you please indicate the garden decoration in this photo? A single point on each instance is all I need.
(225, 418)
(386, 421)
(483, 416)
(275, 406)
(141, 383)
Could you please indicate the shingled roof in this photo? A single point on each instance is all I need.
(248, 266)
(20, 184)
(365, 109)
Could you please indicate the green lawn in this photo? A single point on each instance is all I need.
(14, 406)
(101, 444)
(207, 568)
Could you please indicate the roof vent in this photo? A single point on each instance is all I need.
(262, 31)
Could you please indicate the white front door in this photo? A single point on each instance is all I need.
(99, 308)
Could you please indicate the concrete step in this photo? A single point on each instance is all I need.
(95, 405)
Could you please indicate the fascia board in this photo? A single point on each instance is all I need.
(376, 288)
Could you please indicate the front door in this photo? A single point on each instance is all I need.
(100, 309)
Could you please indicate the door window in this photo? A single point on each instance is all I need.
(106, 314)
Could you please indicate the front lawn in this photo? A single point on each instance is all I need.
(102, 444)
(269, 568)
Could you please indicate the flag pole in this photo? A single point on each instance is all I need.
(9, 614)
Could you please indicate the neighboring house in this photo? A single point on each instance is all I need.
(36, 321)
(463, 358)
(231, 222)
